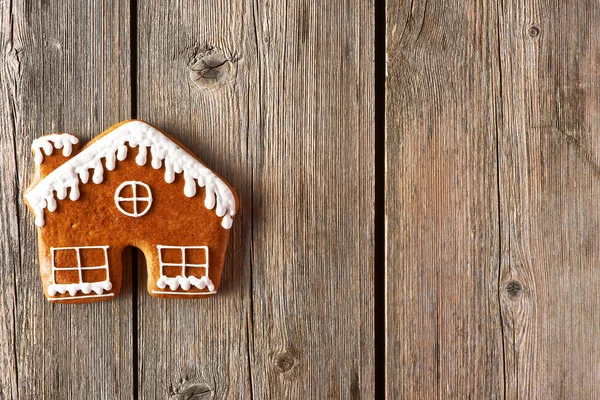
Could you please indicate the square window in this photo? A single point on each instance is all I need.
(94, 275)
(195, 256)
(171, 256)
(65, 258)
(66, 276)
(92, 257)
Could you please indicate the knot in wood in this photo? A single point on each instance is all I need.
(514, 289)
(196, 391)
(284, 362)
(212, 69)
(534, 31)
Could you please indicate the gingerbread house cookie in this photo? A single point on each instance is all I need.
(133, 185)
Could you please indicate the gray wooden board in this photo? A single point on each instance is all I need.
(443, 332)
(200, 346)
(9, 216)
(65, 67)
(549, 150)
(472, 232)
(312, 202)
(278, 99)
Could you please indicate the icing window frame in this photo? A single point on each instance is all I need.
(98, 287)
(182, 280)
(135, 199)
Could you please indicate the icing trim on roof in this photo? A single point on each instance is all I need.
(50, 142)
(112, 147)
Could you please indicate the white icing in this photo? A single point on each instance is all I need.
(84, 287)
(50, 142)
(186, 282)
(134, 199)
(81, 297)
(184, 293)
(114, 145)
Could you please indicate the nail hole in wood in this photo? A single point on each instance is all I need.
(284, 362)
(514, 289)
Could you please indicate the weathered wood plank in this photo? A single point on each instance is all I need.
(293, 132)
(9, 197)
(312, 198)
(549, 183)
(65, 68)
(443, 326)
(196, 80)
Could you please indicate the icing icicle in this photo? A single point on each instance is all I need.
(112, 148)
(73, 288)
(50, 142)
(186, 282)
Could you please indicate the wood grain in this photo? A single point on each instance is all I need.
(549, 180)
(492, 219)
(195, 65)
(64, 68)
(278, 100)
(10, 76)
(312, 201)
(443, 332)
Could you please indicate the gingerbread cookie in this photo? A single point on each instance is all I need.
(133, 185)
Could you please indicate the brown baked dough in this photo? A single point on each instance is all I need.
(81, 242)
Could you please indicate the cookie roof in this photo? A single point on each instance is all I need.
(112, 147)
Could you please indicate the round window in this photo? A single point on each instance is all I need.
(133, 198)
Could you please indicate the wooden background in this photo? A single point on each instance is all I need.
(420, 187)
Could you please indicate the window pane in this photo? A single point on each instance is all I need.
(141, 206)
(126, 191)
(66, 276)
(65, 258)
(172, 272)
(93, 275)
(127, 206)
(92, 257)
(195, 256)
(172, 256)
(198, 272)
(141, 191)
